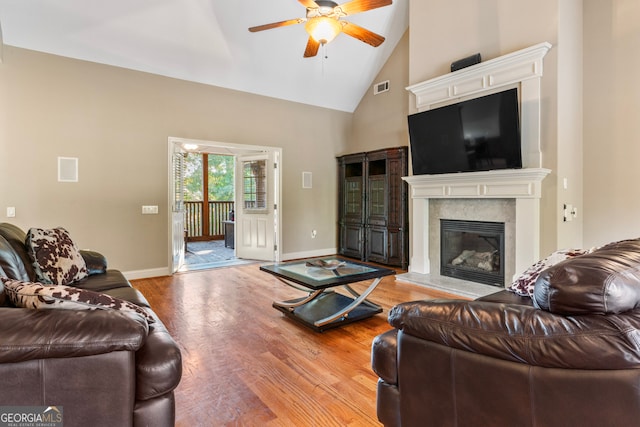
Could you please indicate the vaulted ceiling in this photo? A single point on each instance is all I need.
(207, 41)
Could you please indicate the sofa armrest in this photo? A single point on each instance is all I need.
(525, 334)
(40, 334)
(158, 364)
(384, 356)
(96, 262)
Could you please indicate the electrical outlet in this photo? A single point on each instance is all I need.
(149, 210)
(11, 212)
(314, 233)
(569, 213)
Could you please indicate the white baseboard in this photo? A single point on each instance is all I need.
(164, 271)
(309, 254)
(145, 274)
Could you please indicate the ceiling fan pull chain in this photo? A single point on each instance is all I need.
(324, 56)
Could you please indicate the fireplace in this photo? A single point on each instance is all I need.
(522, 187)
(472, 250)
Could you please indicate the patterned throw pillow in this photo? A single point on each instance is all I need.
(39, 296)
(525, 283)
(55, 257)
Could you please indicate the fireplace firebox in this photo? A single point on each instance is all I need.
(472, 250)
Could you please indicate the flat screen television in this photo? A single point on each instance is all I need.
(479, 134)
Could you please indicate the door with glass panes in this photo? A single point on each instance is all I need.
(256, 208)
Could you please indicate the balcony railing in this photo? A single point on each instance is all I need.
(213, 229)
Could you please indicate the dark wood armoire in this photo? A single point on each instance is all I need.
(373, 206)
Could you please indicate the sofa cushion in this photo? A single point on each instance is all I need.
(39, 296)
(524, 284)
(128, 293)
(111, 279)
(602, 282)
(56, 258)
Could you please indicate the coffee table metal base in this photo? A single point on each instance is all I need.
(322, 310)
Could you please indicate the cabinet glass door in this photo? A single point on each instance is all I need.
(377, 197)
(353, 197)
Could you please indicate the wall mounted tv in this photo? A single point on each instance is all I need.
(479, 134)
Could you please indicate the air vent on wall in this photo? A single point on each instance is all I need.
(381, 87)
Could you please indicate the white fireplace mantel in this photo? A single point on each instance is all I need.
(506, 183)
(522, 69)
(523, 185)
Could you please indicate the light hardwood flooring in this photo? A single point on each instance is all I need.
(246, 364)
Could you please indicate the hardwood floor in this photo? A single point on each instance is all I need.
(246, 364)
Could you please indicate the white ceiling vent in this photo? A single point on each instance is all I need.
(381, 87)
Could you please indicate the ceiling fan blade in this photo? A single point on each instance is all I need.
(309, 3)
(277, 24)
(357, 6)
(312, 48)
(362, 34)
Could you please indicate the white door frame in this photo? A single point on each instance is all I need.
(231, 149)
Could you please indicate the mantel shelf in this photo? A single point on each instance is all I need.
(506, 183)
(512, 68)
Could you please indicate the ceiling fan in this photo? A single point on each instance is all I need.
(324, 22)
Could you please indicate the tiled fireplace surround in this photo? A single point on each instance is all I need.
(509, 196)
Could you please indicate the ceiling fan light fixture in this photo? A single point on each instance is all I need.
(323, 29)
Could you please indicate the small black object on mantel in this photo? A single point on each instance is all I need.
(466, 62)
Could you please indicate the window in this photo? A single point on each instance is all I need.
(254, 184)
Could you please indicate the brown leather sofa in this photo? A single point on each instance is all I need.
(569, 356)
(103, 367)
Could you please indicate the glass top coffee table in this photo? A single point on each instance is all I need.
(323, 308)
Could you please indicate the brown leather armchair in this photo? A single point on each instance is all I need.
(568, 357)
(103, 367)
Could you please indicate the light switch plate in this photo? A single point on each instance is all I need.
(11, 212)
(149, 210)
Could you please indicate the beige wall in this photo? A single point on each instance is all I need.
(569, 122)
(117, 122)
(380, 121)
(611, 120)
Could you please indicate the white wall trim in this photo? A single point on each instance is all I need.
(309, 254)
(145, 274)
(505, 70)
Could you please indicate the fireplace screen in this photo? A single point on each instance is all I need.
(472, 250)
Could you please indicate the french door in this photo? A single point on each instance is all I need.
(256, 207)
(257, 219)
(177, 207)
